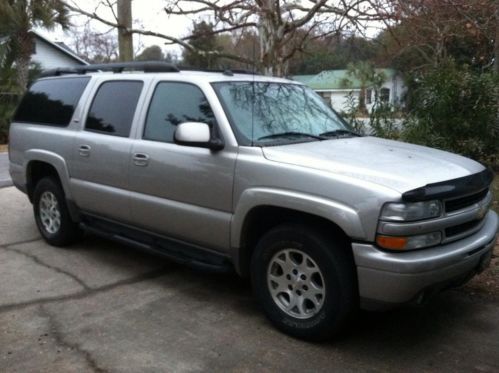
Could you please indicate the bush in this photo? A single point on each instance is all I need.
(8, 104)
(455, 109)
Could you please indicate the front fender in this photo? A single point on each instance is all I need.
(342, 215)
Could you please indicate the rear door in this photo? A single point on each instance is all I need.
(99, 172)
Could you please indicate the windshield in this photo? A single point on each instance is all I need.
(265, 113)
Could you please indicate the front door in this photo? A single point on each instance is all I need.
(181, 191)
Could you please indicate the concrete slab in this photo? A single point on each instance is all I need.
(30, 342)
(24, 279)
(94, 262)
(16, 217)
(4, 170)
(185, 321)
(100, 307)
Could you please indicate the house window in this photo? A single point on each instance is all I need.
(369, 93)
(384, 94)
(32, 46)
(326, 96)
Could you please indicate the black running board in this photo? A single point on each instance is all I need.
(178, 251)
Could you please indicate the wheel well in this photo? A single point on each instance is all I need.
(36, 171)
(261, 219)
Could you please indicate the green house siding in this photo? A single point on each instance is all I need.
(336, 79)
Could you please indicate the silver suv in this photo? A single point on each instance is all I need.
(225, 170)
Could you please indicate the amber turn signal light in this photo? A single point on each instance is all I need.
(392, 243)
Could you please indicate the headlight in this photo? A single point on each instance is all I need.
(409, 243)
(411, 211)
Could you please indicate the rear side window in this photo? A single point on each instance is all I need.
(51, 101)
(113, 108)
(172, 104)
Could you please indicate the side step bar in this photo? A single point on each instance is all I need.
(175, 250)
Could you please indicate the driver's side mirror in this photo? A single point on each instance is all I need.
(196, 134)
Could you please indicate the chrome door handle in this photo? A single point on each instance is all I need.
(140, 159)
(84, 150)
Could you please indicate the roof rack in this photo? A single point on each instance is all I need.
(223, 71)
(147, 67)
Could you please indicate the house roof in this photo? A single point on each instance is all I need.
(60, 47)
(336, 79)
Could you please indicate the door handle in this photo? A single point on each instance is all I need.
(140, 159)
(84, 150)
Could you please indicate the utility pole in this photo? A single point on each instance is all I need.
(125, 38)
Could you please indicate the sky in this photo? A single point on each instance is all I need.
(147, 14)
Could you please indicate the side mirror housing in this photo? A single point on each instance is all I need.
(196, 134)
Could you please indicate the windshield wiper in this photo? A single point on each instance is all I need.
(339, 132)
(291, 134)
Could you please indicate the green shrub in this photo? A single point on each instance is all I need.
(455, 109)
(8, 104)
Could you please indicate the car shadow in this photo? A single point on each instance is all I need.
(400, 330)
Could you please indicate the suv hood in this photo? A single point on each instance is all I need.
(393, 164)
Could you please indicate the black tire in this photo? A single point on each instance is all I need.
(68, 231)
(332, 257)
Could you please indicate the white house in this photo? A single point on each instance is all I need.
(335, 86)
(50, 55)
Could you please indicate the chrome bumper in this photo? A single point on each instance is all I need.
(393, 278)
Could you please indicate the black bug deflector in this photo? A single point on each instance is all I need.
(451, 188)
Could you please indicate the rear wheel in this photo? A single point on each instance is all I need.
(305, 281)
(51, 214)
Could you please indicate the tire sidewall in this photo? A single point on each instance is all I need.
(338, 291)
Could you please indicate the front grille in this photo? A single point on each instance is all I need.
(463, 202)
(462, 228)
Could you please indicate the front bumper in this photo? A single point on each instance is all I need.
(387, 279)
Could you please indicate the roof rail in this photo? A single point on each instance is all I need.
(147, 67)
(227, 71)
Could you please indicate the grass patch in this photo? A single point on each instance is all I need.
(3, 148)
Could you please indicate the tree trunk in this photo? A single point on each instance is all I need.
(125, 38)
(362, 101)
(271, 33)
(23, 59)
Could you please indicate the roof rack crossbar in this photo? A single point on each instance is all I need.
(147, 67)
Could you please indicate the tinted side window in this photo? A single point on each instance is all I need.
(113, 108)
(51, 101)
(172, 104)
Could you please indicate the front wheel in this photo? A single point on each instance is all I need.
(305, 281)
(51, 214)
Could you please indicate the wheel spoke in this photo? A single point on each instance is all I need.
(300, 304)
(285, 263)
(279, 281)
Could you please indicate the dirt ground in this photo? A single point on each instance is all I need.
(487, 284)
(3, 148)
